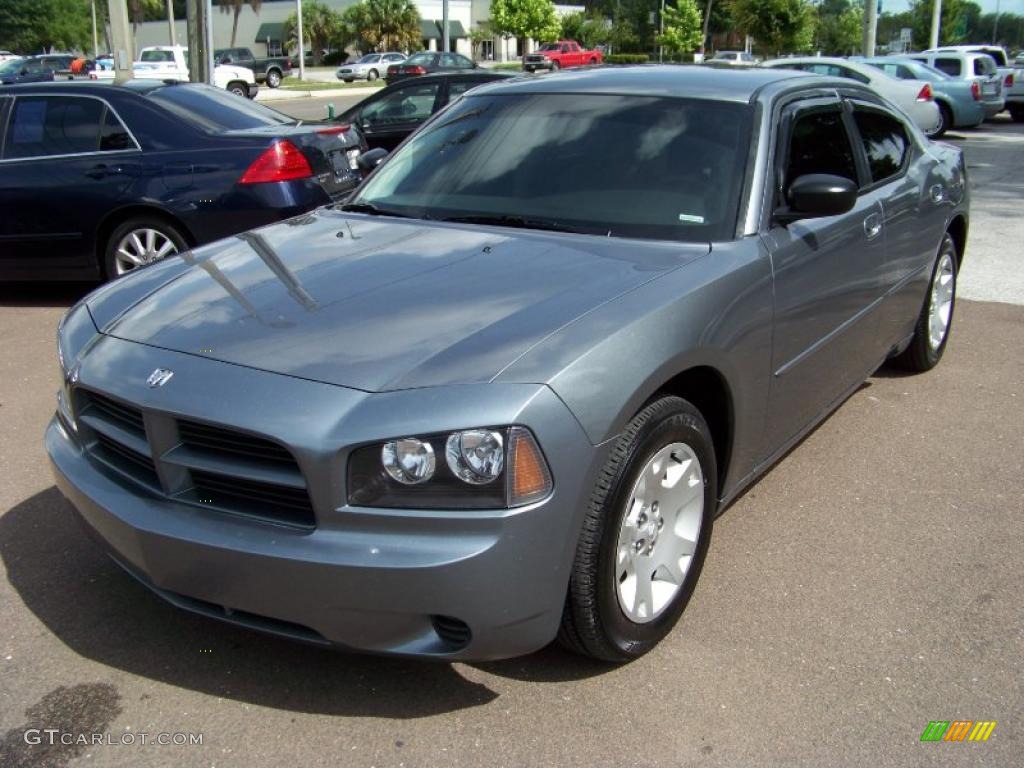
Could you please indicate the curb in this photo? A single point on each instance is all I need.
(285, 95)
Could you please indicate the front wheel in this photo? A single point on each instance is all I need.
(933, 324)
(555, 66)
(273, 78)
(371, 75)
(238, 89)
(645, 535)
(1017, 113)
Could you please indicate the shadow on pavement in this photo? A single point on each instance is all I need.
(101, 613)
(43, 294)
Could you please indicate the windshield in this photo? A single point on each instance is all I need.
(626, 166)
(216, 110)
(11, 67)
(551, 47)
(157, 56)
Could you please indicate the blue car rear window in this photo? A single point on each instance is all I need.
(215, 110)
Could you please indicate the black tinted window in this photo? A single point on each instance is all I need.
(113, 134)
(214, 109)
(949, 66)
(984, 66)
(885, 142)
(819, 143)
(626, 166)
(414, 103)
(53, 125)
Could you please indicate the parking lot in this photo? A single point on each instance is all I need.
(870, 583)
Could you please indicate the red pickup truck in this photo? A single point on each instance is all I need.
(560, 55)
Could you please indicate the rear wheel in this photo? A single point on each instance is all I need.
(945, 121)
(1017, 113)
(273, 78)
(593, 60)
(140, 241)
(372, 75)
(238, 88)
(645, 535)
(933, 324)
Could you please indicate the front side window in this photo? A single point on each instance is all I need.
(403, 105)
(885, 142)
(43, 126)
(819, 143)
(612, 165)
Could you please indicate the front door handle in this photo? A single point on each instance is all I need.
(873, 226)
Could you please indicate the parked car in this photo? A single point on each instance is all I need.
(915, 97)
(170, 62)
(34, 69)
(369, 67)
(503, 392)
(270, 70)
(972, 67)
(1010, 70)
(387, 117)
(96, 179)
(426, 62)
(732, 59)
(561, 55)
(7, 56)
(959, 101)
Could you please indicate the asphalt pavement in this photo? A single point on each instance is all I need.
(872, 582)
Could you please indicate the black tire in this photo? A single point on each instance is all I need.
(273, 78)
(349, 80)
(238, 88)
(555, 66)
(593, 61)
(161, 225)
(372, 75)
(922, 355)
(593, 623)
(1017, 113)
(945, 120)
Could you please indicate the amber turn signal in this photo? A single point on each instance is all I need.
(529, 478)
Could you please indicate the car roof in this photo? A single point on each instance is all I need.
(94, 87)
(737, 85)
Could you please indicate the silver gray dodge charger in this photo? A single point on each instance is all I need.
(500, 395)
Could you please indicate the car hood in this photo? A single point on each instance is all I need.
(377, 303)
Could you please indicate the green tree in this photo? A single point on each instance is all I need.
(951, 24)
(778, 26)
(839, 27)
(683, 28)
(321, 26)
(234, 7)
(588, 29)
(525, 18)
(32, 26)
(382, 25)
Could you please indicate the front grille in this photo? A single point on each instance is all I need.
(136, 465)
(266, 500)
(124, 416)
(209, 438)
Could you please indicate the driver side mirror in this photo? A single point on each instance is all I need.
(815, 195)
(371, 159)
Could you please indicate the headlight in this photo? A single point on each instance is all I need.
(485, 468)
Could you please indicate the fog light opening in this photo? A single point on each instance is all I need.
(452, 631)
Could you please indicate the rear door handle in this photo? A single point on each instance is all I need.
(937, 193)
(873, 226)
(101, 171)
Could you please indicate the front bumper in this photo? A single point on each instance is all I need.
(374, 580)
(533, 66)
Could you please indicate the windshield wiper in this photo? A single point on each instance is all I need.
(520, 222)
(372, 210)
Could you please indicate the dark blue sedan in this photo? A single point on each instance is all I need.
(97, 180)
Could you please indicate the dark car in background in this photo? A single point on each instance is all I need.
(427, 62)
(97, 179)
(271, 70)
(391, 114)
(35, 69)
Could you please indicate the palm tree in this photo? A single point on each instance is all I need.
(384, 25)
(321, 26)
(235, 7)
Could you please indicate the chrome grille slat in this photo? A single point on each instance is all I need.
(196, 435)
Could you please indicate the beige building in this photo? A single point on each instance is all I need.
(262, 31)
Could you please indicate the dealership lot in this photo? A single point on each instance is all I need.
(868, 585)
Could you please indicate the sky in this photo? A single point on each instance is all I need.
(987, 6)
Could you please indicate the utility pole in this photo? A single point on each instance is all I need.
(870, 27)
(661, 29)
(936, 21)
(995, 26)
(170, 22)
(200, 60)
(302, 45)
(446, 45)
(121, 40)
(95, 35)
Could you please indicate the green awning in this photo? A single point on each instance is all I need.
(455, 28)
(270, 30)
(429, 30)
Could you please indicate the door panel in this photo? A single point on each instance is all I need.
(826, 282)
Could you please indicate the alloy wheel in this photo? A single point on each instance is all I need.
(940, 303)
(659, 532)
(141, 247)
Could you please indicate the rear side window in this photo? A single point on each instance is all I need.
(214, 109)
(885, 143)
(948, 65)
(819, 143)
(50, 125)
(983, 65)
(113, 135)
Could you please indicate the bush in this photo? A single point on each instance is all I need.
(626, 58)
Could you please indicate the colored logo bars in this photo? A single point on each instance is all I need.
(958, 730)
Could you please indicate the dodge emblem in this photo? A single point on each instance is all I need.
(159, 377)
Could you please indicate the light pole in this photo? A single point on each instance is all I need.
(446, 46)
(170, 22)
(302, 46)
(95, 36)
(995, 26)
(936, 21)
(870, 26)
(661, 31)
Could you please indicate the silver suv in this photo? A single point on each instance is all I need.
(973, 67)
